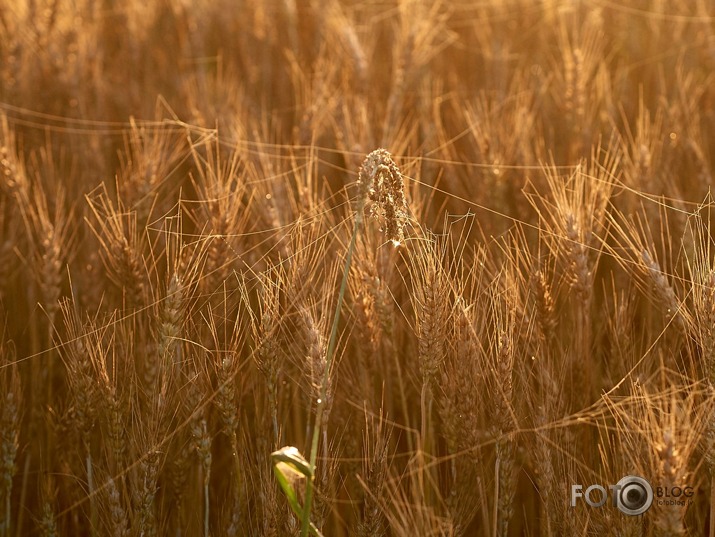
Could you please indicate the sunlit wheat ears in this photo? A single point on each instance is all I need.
(382, 184)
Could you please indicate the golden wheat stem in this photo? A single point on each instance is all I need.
(9, 436)
(403, 398)
(23, 492)
(6, 522)
(425, 406)
(236, 464)
(93, 516)
(426, 447)
(202, 440)
(206, 507)
(495, 514)
(712, 502)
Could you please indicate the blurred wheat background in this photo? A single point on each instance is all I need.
(178, 186)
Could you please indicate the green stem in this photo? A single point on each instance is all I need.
(305, 526)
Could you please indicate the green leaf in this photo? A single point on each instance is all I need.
(291, 457)
(289, 466)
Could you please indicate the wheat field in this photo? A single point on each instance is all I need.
(375, 268)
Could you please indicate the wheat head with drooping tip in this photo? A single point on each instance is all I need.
(381, 183)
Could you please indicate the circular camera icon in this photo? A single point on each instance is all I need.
(634, 495)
